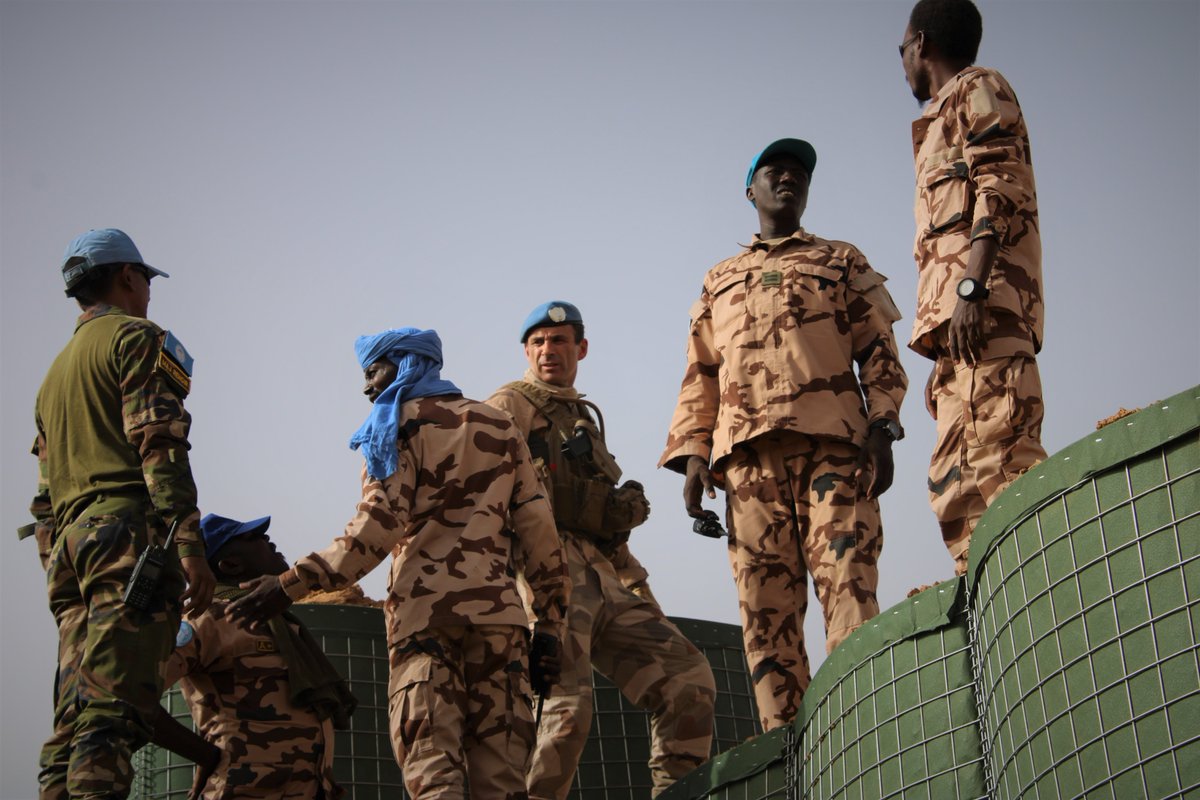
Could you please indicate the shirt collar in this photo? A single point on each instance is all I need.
(98, 310)
(759, 243)
(934, 106)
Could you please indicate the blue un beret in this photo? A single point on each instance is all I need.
(219, 530)
(554, 312)
(797, 148)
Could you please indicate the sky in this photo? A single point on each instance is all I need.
(311, 171)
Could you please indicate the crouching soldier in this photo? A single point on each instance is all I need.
(265, 702)
(443, 476)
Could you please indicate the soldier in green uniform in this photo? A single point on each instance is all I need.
(112, 451)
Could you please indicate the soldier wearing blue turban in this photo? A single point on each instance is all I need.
(417, 358)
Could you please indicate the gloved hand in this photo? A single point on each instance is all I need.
(545, 666)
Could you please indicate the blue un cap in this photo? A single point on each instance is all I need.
(219, 530)
(792, 147)
(554, 312)
(97, 248)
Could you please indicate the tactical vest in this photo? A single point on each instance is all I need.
(578, 469)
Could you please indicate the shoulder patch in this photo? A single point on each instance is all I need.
(185, 635)
(175, 363)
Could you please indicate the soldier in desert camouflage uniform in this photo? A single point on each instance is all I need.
(444, 476)
(979, 259)
(614, 622)
(265, 702)
(113, 470)
(771, 401)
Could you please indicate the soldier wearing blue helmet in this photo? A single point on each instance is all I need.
(112, 449)
(614, 623)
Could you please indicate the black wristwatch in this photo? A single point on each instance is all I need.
(890, 427)
(971, 289)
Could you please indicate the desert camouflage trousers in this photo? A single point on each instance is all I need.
(989, 428)
(629, 640)
(108, 686)
(459, 706)
(794, 511)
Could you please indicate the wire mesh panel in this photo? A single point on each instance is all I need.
(893, 713)
(614, 761)
(1087, 607)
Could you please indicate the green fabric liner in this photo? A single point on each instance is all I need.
(1114, 444)
(743, 761)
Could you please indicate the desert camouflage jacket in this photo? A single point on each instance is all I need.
(775, 338)
(110, 421)
(579, 549)
(464, 471)
(975, 179)
(236, 685)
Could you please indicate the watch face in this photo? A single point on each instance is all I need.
(967, 287)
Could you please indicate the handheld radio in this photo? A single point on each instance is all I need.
(147, 572)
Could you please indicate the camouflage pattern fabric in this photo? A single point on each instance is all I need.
(989, 423)
(794, 510)
(775, 337)
(108, 676)
(460, 708)
(110, 421)
(975, 179)
(617, 627)
(112, 463)
(788, 340)
(464, 473)
(236, 686)
(629, 640)
(464, 477)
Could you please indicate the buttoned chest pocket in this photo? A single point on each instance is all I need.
(731, 315)
(945, 190)
(810, 286)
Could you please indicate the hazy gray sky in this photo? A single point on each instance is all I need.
(311, 171)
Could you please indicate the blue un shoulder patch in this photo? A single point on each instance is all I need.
(185, 635)
(175, 363)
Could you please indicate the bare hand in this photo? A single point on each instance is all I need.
(966, 332)
(697, 481)
(265, 600)
(200, 585)
(875, 465)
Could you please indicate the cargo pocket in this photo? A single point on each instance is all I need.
(990, 415)
(410, 705)
(945, 188)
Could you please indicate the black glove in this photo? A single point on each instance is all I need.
(544, 644)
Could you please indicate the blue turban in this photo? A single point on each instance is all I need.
(417, 355)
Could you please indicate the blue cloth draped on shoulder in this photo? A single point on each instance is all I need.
(417, 355)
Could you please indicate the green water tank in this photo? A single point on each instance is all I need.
(1065, 664)
(613, 763)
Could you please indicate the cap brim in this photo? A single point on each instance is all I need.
(158, 273)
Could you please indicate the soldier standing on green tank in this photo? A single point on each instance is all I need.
(112, 452)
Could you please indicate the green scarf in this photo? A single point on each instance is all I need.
(314, 682)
